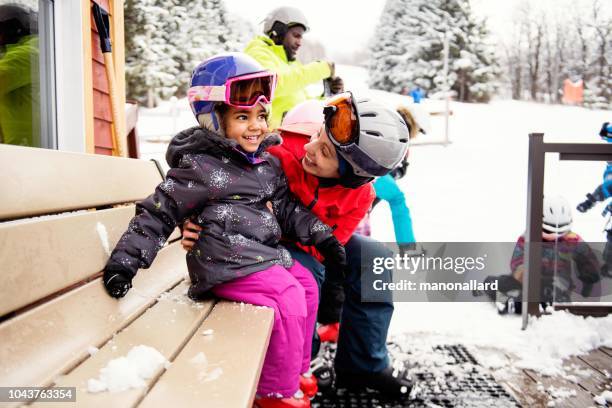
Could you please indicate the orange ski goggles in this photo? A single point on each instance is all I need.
(342, 119)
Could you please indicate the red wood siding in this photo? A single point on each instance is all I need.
(101, 100)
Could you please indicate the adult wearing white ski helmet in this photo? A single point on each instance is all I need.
(282, 18)
(556, 217)
(368, 139)
(371, 137)
(286, 26)
(276, 51)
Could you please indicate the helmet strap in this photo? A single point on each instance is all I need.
(211, 121)
(348, 178)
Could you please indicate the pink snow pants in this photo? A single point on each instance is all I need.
(294, 296)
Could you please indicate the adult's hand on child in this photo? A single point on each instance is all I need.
(333, 251)
(191, 233)
(116, 283)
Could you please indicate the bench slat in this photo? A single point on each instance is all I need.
(227, 373)
(50, 339)
(166, 326)
(42, 181)
(42, 256)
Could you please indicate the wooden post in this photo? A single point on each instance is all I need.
(533, 233)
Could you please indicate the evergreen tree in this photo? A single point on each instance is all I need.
(598, 89)
(166, 39)
(408, 49)
(149, 72)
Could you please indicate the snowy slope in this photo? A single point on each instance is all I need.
(472, 190)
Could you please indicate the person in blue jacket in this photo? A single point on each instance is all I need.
(602, 193)
(387, 190)
(417, 94)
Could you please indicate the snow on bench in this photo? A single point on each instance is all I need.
(60, 216)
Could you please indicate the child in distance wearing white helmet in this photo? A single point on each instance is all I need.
(560, 248)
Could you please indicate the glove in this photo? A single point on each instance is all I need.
(332, 251)
(586, 204)
(337, 85)
(606, 130)
(116, 283)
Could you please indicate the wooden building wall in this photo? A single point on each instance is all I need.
(99, 114)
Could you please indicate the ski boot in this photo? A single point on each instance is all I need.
(508, 302)
(322, 367)
(329, 332)
(389, 382)
(299, 400)
(308, 385)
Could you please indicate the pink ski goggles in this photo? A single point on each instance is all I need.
(244, 91)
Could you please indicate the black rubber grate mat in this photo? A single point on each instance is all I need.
(455, 380)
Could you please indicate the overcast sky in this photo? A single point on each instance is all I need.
(346, 25)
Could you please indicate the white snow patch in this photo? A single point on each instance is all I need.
(212, 375)
(130, 371)
(199, 359)
(542, 347)
(561, 393)
(208, 332)
(603, 398)
(92, 350)
(204, 373)
(103, 234)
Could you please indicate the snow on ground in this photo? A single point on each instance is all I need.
(471, 190)
(541, 347)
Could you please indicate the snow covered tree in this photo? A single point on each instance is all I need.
(598, 89)
(548, 48)
(408, 49)
(150, 74)
(166, 39)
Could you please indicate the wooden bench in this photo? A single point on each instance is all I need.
(60, 216)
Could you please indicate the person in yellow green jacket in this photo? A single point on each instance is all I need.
(19, 89)
(284, 28)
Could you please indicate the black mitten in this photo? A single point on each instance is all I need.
(333, 251)
(116, 282)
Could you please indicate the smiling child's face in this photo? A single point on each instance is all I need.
(246, 126)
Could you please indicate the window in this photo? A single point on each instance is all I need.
(27, 76)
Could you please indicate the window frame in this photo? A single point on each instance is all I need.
(70, 75)
(47, 73)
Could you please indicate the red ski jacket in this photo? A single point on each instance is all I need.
(339, 207)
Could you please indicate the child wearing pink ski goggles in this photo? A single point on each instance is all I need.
(244, 91)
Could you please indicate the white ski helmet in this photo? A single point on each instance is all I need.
(383, 140)
(288, 16)
(556, 217)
